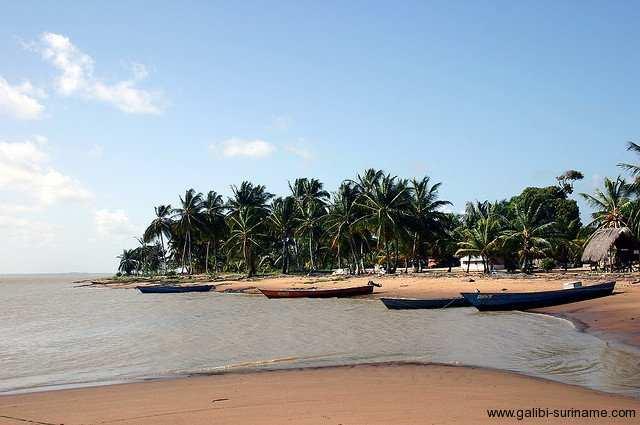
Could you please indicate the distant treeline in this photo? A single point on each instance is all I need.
(376, 219)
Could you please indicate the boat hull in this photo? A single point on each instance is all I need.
(417, 303)
(318, 293)
(171, 289)
(528, 300)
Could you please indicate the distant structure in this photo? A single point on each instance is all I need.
(474, 264)
(612, 249)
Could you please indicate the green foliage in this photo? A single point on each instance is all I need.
(374, 219)
(547, 264)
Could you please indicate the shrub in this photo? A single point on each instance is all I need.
(547, 264)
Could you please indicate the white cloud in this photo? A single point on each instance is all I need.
(20, 102)
(300, 151)
(25, 170)
(236, 147)
(110, 223)
(77, 78)
(32, 232)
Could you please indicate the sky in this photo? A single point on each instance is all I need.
(110, 108)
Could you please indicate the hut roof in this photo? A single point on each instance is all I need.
(602, 241)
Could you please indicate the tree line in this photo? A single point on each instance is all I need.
(376, 219)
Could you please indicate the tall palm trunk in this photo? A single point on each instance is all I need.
(354, 255)
(206, 259)
(285, 256)
(184, 253)
(190, 269)
(413, 253)
(387, 257)
(164, 253)
(313, 267)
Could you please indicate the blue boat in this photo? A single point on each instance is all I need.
(528, 300)
(173, 289)
(424, 303)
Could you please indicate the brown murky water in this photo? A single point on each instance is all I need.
(53, 335)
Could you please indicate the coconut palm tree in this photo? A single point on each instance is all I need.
(249, 196)
(528, 233)
(189, 219)
(248, 209)
(311, 201)
(481, 240)
(424, 215)
(283, 220)
(611, 203)
(245, 235)
(309, 224)
(307, 191)
(368, 180)
(160, 227)
(342, 220)
(213, 218)
(387, 204)
(128, 263)
(633, 168)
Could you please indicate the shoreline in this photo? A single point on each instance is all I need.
(610, 319)
(382, 393)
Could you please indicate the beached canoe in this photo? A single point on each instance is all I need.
(529, 300)
(173, 289)
(317, 293)
(424, 303)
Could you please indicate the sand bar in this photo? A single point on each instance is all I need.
(389, 394)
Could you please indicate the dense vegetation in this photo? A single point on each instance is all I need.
(373, 220)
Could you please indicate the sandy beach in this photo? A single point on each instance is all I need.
(367, 394)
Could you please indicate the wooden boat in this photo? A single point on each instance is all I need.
(424, 303)
(529, 300)
(318, 293)
(173, 289)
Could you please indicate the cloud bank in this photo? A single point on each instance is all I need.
(76, 77)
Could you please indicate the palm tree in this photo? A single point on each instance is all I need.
(189, 219)
(474, 211)
(368, 180)
(633, 168)
(245, 234)
(160, 227)
(283, 219)
(528, 233)
(480, 240)
(309, 222)
(611, 204)
(128, 263)
(307, 191)
(249, 196)
(213, 216)
(343, 218)
(424, 217)
(311, 201)
(248, 209)
(387, 204)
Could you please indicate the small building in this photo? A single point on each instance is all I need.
(612, 248)
(475, 264)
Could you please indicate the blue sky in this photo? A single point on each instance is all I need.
(109, 109)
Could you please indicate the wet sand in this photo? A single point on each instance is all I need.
(368, 394)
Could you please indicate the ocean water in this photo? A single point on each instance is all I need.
(55, 335)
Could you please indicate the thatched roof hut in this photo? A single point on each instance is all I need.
(606, 241)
